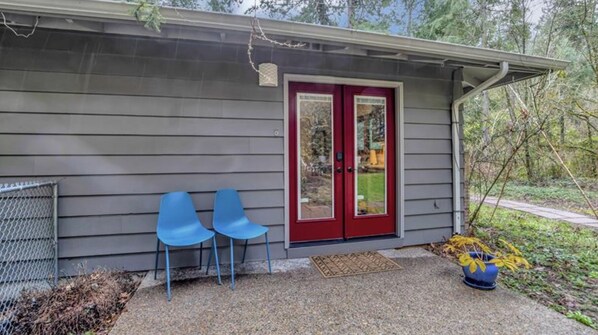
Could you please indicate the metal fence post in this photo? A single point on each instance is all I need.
(55, 221)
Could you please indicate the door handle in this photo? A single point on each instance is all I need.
(349, 169)
(339, 169)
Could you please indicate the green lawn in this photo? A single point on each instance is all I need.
(371, 186)
(564, 257)
(558, 195)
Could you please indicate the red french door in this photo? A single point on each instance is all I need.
(342, 162)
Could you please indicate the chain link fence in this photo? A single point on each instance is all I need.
(28, 242)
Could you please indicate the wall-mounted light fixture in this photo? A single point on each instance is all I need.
(268, 75)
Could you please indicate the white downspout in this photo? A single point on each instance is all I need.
(502, 72)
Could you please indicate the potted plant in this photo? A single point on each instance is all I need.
(480, 263)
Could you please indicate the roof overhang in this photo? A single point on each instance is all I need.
(115, 18)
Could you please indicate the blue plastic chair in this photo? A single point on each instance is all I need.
(178, 226)
(230, 220)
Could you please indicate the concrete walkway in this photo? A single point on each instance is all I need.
(544, 212)
(425, 297)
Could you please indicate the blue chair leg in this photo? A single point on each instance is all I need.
(167, 272)
(200, 254)
(244, 251)
(215, 248)
(157, 253)
(268, 254)
(210, 258)
(232, 264)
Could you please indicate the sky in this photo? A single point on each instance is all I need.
(536, 7)
(536, 11)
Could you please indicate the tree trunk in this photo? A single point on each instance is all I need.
(409, 6)
(322, 13)
(591, 146)
(529, 164)
(350, 13)
(562, 126)
(510, 107)
(410, 22)
(485, 118)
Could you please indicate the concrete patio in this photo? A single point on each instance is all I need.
(425, 297)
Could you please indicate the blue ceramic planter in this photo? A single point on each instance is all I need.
(483, 280)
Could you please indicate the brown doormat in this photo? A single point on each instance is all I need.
(353, 264)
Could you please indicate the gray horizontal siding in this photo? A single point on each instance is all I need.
(423, 162)
(136, 86)
(122, 120)
(53, 144)
(427, 207)
(425, 236)
(43, 102)
(434, 191)
(432, 146)
(428, 221)
(117, 124)
(138, 243)
(427, 116)
(148, 203)
(92, 165)
(158, 184)
(438, 176)
(427, 131)
(428, 164)
(115, 224)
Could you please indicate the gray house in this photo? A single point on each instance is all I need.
(347, 142)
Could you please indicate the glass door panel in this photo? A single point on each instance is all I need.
(315, 149)
(370, 155)
(370, 174)
(315, 167)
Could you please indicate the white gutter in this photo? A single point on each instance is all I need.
(457, 217)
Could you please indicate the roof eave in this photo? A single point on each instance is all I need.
(120, 11)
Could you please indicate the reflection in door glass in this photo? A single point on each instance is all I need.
(316, 183)
(370, 155)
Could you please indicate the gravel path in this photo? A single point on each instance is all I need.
(425, 297)
(545, 212)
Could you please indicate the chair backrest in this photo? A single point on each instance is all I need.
(176, 211)
(228, 209)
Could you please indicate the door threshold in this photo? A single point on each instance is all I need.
(330, 247)
(340, 241)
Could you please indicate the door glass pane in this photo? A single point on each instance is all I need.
(370, 155)
(316, 182)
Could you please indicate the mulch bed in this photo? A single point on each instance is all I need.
(89, 303)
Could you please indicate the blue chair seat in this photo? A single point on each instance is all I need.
(244, 231)
(186, 235)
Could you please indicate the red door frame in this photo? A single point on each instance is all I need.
(345, 224)
(318, 229)
(369, 225)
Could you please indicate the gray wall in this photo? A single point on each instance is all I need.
(119, 121)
